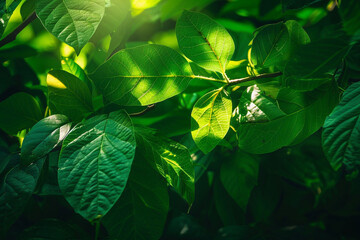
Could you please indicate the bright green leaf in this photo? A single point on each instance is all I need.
(71, 21)
(142, 75)
(172, 160)
(204, 41)
(43, 137)
(341, 133)
(141, 211)
(68, 95)
(95, 162)
(22, 112)
(211, 119)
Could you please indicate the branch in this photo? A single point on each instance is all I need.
(12, 36)
(251, 78)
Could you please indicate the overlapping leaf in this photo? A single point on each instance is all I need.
(95, 163)
(142, 75)
(211, 119)
(341, 133)
(204, 41)
(72, 21)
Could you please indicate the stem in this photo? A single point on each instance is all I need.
(210, 79)
(12, 36)
(143, 111)
(97, 229)
(251, 78)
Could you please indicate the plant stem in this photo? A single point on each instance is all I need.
(97, 229)
(12, 36)
(251, 78)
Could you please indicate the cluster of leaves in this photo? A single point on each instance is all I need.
(101, 145)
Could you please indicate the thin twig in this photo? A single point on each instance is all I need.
(251, 78)
(143, 111)
(12, 36)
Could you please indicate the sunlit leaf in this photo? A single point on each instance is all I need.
(204, 41)
(211, 119)
(142, 75)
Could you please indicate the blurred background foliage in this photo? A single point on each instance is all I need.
(292, 193)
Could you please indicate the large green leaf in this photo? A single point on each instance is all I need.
(211, 119)
(141, 211)
(259, 132)
(270, 45)
(239, 176)
(341, 133)
(68, 95)
(43, 137)
(15, 191)
(142, 75)
(204, 41)
(313, 64)
(172, 160)
(22, 111)
(95, 162)
(297, 34)
(72, 21)
(349, 12)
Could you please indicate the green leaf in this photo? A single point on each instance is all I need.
(6, 10)
(259, 132)
(239, 176)
(142, 75)
(350, 18)
(297, 34)
(68, 95)
(95, 162)
(270, 45)
(341, 133)
(293, 4)
(44, 137)
(71, 21)
(204, 41)
(175, 7)
(172, 160)
(211, 119)
(27, 8)
(141, 211)
(70, 66)
(313, 64)
(15, 191)
(22, 112)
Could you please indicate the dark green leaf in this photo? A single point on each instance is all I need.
(71, 21)
(95, 162)
(142, 75)
(22, 111)
(43, 137)
(204, 41)
(211, 119)
(341, 133)
(294, 4)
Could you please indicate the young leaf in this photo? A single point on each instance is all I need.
(70, 66)
(313, 64)
(68, 95)
(71, 21)
(341, 133)
(239, 176)
(204, 41)
(95, 162)
(15, 190)
(172, 160)
(211, 119)
(270, 45)
(22, 111)
(141, 211)
(43, 137)
(142, 75)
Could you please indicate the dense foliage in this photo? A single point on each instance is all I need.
(179, 119)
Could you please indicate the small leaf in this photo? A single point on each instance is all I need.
(22, 112)
(313, 64)
(211, 119)
(71, 21)
(270, 45)
(43, 137)
(341, 132)
(142, 75)
(68, 95)
(70, 66)
(95, 162)
(172, 160)
(15, 190)
(204, 41)
(141, 211)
